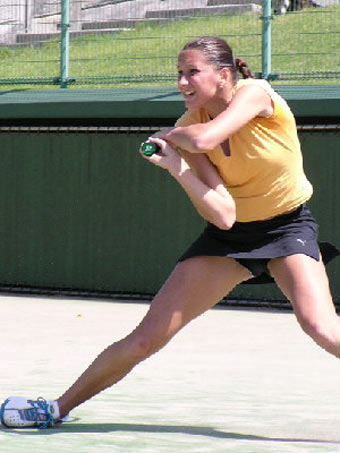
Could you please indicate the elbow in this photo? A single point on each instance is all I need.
(201, 145)
(227, 216)
(225, 225)
(226, 222)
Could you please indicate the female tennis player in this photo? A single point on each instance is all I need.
(236, 154)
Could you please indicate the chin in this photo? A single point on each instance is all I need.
(191, 105)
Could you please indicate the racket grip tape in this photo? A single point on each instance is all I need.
(150, 148)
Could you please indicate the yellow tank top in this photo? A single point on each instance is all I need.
(263, 170)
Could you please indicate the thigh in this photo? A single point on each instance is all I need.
(304, 282)
(194, 286)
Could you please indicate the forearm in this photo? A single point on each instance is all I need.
(215, 207)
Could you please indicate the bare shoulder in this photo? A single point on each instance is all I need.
(255, 95)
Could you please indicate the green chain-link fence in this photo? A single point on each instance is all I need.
(120, 42)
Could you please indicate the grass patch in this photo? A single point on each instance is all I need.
(305, 46)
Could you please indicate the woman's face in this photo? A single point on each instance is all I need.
(198, 80)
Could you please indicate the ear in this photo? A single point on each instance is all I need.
(225, 76)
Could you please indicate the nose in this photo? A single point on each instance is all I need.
(182, 80)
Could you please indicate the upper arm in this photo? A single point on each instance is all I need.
(206, 171)
(248, 102)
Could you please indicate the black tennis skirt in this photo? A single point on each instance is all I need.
(253, 244)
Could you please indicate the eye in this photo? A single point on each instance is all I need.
(193, 71)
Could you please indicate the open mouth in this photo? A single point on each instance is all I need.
(188, 94)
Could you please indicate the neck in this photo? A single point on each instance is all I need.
(221, 101)
(218, 107)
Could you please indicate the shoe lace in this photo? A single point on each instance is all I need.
(42, 405)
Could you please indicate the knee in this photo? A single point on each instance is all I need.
(325, 334)
(143, 345)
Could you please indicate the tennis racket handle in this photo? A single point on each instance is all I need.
(150, 148)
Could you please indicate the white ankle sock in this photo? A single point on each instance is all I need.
(54, 409)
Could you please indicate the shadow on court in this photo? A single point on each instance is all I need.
(97, 428)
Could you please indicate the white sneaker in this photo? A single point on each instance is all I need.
(18, 412)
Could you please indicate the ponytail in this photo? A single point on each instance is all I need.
(243, 69)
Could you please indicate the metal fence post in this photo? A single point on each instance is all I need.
(65, 41)
(266, 39)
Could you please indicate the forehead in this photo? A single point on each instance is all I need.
(192, 57)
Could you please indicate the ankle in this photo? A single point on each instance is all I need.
(63, 412)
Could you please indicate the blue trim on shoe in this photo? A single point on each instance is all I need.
(2, 409)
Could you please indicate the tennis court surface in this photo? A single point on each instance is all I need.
(234, 380)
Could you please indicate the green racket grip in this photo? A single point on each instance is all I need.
(150, 148)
